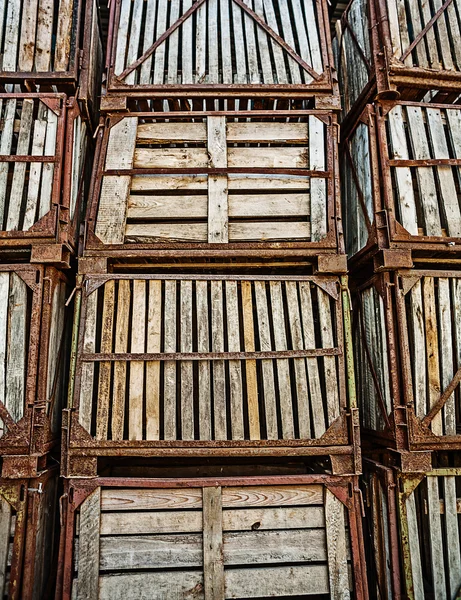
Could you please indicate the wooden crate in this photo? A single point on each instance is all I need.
(217, 49)
(43, 147)
(407, 355)
(429, 523)
(58, 43)
(214, 183)
(377, 54)
(401, 179)
(209, 365)
(28, 527)
(33, 365)
(213, 538)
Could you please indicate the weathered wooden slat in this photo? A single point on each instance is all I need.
(313, 34)
(432, 350)
(200, 45)
(336, 544)
(16, 360)
(5, 528)
(213, 562)
(329, 362)
(4, 294)
(5, 148)
(11, 35)
(240, 55)
(121, 345)
(269, 205)
(226, 42)
(219, 376)
(44, 37)
(89, 345)
(187, 384)
(283, 372)
(105, 368)
(452, 536)
(169, 385)
(446, 352)
(318, 193)
(187, 47)
(268, 383)
(282, 157)
(217, 184)
(163, 584)
(48, 168)
(268, 230)
(38, 144)
(250, 365)
(203, 345)
(273, 495)
(213, 44)
(278, 55)
(154, 318)
(144, 183)
(138, 337)
(173, 45)
(121, 145)
(63, 35)
(159, 54)
(122, 36)
(235, 371)
(150, 499)
(187, 232)
(88, 558)
(175, 158)
(159, 133)
(251, 47)
(148, 39)
(413, 541)
(435, 537)
(263, 43)
(419, 341)
(28, 32)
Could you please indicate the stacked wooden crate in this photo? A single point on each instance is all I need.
(212, 321)
(48, 57)
(401, 197)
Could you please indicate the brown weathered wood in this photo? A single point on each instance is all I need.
(105, 368)
(121, 345)
(138, 336)
(154, 317)
(213, 562)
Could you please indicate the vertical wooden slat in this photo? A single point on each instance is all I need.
(299, 363)
(19, 173)
(329, 362)
(435, 537)
(148, 40)
(240, 57)
(432, 350)
(284, 384)
(154, 324)
(88, 555)
(138, 344)
(452, 536)
(419, 348)
(446, 353)
(5, 531)
(121, 345)
(277, 51)
(203, 345)
(268, 383)
(316, 396)
(213, 561)
(219, 377)
(263, 43)
(413, 542)
(213, 45)
(169, 395)
(187, 48)
(135, 32)
(187, 384)
(5, 148)
(89, 346)
(250, 365)
(200, 45)
(44, 38)
(290, 40)
(251, 46)
(38, 144)
(28, 31)
(48, 168)
(318, 186)
(122, 36)
(235, 372)
(218, 225)
(63, 35)
(4, 293)
(302, 34)
(173, 44)
(336, 547)
(226, 51)
(105, 367)
(11, 35)
(16, 366)
(313, 33)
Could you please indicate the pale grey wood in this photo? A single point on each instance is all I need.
(225, 35)
(251, 46)
(88, 562)
(452, 535)
(11, 35)
(135, 32)
(176, 158)
(288, 157)
(240, 56)
(336, 545)
(5, 148)
(16, 360)
(4, 294)
(213, 562)
(121, 499)
(235, 370)
(159, 54)
(187, 48)
(435, 537)
(419, 344)
(200, 45)
(268, 132)
(162, 133)
(203, 345)
(269, 205)
(313, 33)
(413, 542)
(267, 230)
(263, 43)
(120, 368)
(121, 145)
(446, 352)
(187, 384)
(169, 385)
(122, 36)
(278, 53)
(148, 39)
(138, 338)
(188, 232)
(159, 585)
(38, 143)
(89, 345)
(245, 519)
(217, 184)
(219, 375)
(153, 183)
(48, 168)
(132, 523)
(5, 529)
(329, 362)
(213, 45)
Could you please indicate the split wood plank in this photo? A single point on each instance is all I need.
(138, 340)
(16, 359)
(235, 369)
(89, 346)
(302, 395)
(105, 367)
(169, 384)
(250, 365)
(187, 382)
(88, 558)
(203, 345)
(213, 562)
(336, 544)
(268, 381)
(154, 324)
(219, 375)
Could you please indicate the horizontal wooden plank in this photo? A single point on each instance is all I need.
(190, 232)
(269, 205)
(277, 581)
(187, 585)
(267, 132)
(273, 518)
(267, 182)
(175, 158)
(167, 207)
(145, 183)
(273, 495)
(281, 158)
(267, 230)
(153, 499)
(131, 523)
(151, 133)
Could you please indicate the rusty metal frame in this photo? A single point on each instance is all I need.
(332, 242)
(345, 488)
(25, 496)
(386, 477)
(324, 84)
(341, 440)
(26, 442)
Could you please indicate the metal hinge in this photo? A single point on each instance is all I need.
(39, 490)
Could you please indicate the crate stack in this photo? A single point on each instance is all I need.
(401, 162)
(210, 448)
(50, 55)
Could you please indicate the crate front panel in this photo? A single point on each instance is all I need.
(372, 359)
(243, 202)
(38, 37)
(29, 190)
(217, 44)
(433, 326)
(427, 199)
(431, 518)
(268, 541)
(216, 399)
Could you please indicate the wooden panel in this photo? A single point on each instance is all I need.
(213, 564)
(88, 559)
(153, 499)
